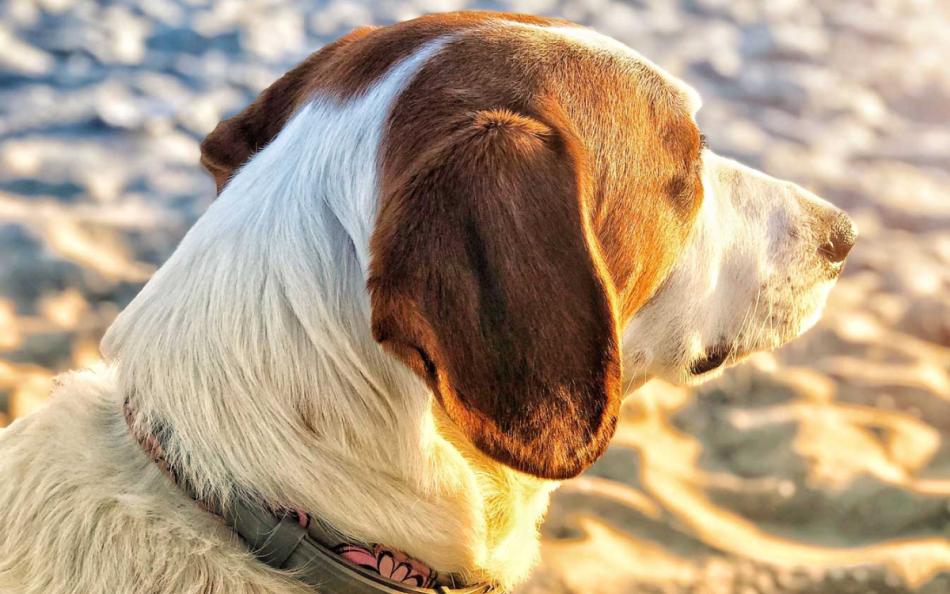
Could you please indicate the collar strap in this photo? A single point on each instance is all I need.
(285, 544)
(286, 541)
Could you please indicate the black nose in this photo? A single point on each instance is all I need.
(841, 234)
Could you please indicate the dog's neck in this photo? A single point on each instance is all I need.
(253, 344)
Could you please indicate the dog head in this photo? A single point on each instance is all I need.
(547, 225)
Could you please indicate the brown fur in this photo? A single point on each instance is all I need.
(481, 262)
(534, 195)
(342, 68)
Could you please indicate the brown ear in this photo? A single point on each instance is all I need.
(236, 139)
(486, 280)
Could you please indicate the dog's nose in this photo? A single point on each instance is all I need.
(840, 238)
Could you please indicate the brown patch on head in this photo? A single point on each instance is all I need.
(342, 69)
(535, 193)
(646, 157)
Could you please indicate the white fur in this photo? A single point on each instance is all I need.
(750, 278)
(253, 343)
(262, 314)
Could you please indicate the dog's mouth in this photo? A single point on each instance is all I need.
(713, 359)
(830, 271)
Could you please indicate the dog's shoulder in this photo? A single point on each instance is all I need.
(84, 510)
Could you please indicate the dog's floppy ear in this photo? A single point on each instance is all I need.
(488, 283)
(236, 139)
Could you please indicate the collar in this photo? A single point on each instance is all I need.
(295, 542)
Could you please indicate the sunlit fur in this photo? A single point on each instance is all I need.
(84, 511)
(253, 343)
(750, 278)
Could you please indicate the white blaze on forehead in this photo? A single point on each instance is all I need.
(326, 155)
(598, 41)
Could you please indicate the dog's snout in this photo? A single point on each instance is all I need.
(839, 237)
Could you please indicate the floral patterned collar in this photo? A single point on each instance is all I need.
(295, 541)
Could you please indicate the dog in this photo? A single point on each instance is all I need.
(441, 255)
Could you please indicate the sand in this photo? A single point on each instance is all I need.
(823, 468)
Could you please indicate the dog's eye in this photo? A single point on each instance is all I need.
(702, 141)
(427, 363)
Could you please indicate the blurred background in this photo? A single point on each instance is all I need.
(821, 469)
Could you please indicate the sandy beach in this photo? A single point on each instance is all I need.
(823, 468)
